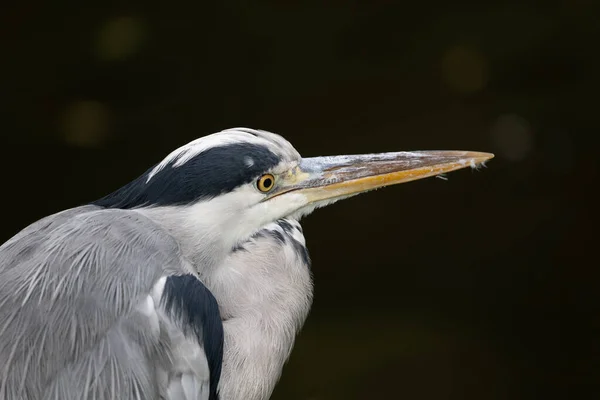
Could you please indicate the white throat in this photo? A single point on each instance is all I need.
(209, 230)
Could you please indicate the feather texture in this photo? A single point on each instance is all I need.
(80, 316)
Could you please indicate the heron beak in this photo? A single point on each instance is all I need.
(328, 178)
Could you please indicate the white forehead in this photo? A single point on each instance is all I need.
(277, 144)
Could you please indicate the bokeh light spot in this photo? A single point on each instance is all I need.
(119, 38)
(464, 70)
(85, 123)
(512, 137)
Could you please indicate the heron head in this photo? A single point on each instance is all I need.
(232, 183)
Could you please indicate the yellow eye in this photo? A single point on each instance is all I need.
(265, 182)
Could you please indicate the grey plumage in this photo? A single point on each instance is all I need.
(61, 338)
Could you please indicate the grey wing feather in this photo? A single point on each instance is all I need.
(188, 364)
(76, 318)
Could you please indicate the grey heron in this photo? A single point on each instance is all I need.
(190, 282)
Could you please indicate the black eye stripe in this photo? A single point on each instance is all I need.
(211, 173)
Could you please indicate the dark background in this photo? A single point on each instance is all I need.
(482, 287)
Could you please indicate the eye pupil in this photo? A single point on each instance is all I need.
(267, 182)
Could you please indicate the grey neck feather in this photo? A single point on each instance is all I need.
(202, 245)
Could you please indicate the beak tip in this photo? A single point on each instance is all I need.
(480, 157)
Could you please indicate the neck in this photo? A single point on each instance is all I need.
(208, 231)
(264, 291)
